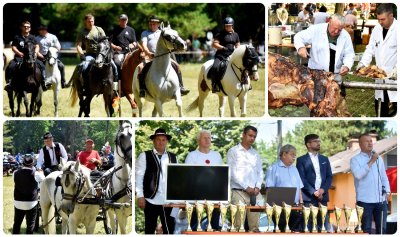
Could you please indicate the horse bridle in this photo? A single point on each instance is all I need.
(173, 41)
(81, 182)
(118, 143)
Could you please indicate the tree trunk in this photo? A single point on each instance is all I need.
(339, 8)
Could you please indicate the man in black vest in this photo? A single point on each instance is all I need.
(150, 183)
(50, 155)
(25, 196)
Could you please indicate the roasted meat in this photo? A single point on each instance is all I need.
(292, 84)
(371, 71)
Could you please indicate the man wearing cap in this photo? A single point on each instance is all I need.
(150, 183)
(17, 47)
(86, 38)
(89, 157)
(225, 43)
(47, 40)
(26, 195)
(50, 155)
(123, 41)
(149, 39)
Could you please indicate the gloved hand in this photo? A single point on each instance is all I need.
(393, 75)
(359, 66)
(82, 57)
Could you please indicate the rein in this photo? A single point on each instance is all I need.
(74, 197)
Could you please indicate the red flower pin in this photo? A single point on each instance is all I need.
(207, 162)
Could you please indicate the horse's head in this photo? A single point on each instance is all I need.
(124, 144)
(52, 55)
(250, 62)
(29, 53)
(104, 52)
(171, 39)
(75, 181)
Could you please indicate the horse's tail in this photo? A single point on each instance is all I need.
(194, 105)
(74, 90)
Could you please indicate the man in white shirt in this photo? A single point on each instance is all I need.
(150, 183)
(50, 155)
(331, 46)
(246, 176)
(383, 46)
(204, 156)
(321, 16)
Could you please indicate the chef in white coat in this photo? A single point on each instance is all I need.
(383, 45)
(331, 46)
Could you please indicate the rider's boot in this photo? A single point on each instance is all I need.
(62, 72)
(184, 91)
(142, 84)
(115, 71)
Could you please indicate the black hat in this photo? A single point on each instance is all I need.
(154, 18)
(123, 16)
(42, 27)
(27, 161)
(47, 135)
(161, 132)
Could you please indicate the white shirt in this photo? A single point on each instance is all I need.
(320, 17)
(315, 162)
(47, 41)
(159, 198)
(40, 160)
(199, 158)
(317, 37)
(351, 19)
(150, 39)
(246, 167)
(385, 52)
(303, 16)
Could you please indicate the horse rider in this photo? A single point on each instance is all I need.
(50, 155)
(123, 41)
(225, 43)
(87, 38)
(17, 47)
(47, 40)
(149, 39)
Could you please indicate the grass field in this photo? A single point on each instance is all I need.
(8, 213)
(190, 71)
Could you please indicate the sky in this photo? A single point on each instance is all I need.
(268, 129)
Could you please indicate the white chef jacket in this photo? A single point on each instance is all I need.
(317, 37)
(385, 52)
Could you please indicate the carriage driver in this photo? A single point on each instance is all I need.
(90, 158)
(87, 38)
(17, 47)
(50, 155)
(47, 40)
(149, 39)
(225, 43)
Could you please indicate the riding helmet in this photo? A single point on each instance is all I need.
(229, 21)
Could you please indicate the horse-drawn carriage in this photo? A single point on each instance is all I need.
(77, 198)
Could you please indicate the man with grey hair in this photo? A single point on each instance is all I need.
(204, 156)
(278, 176)
(331, 46)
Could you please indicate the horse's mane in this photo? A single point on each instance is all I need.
(70, 165)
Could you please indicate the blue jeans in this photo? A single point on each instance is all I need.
(85, 64)
(373, 211)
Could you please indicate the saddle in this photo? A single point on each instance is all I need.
(215, 74)
(143, 73)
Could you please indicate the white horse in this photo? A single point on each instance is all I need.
(50, 202)
(242, 65)
(76, 184)
(120, 185)
(53, 75)
(162, 81)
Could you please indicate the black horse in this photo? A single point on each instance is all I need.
(26, 80)
(95, 80)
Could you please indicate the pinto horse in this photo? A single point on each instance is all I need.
(95, 80)
(26, 80)
(131, 61)
(162, 81)
(242, 66)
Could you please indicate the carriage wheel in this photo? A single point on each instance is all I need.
(107, 228)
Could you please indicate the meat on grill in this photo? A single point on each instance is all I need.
(292, 84)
